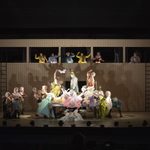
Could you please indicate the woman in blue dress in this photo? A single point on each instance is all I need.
(44, 101)
(45, 107)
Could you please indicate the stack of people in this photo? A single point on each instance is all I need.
(72, 100)
(54, 94)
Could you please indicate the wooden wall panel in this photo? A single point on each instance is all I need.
(125, 81)
(74, 42)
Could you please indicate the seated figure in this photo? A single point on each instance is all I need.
(135, 58)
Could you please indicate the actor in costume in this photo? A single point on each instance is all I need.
(71, 116)
(135, 58)
(56, 85)
(71, 99)
(82, 57)
(102, 109)
(74, 82)
(90, 79)
(45, 106)
(98, 58)
(53, 59)
(104, 106)
(42, 58)
(116, 104)
(7, 105)
(101, 93)
(108, 102)
(22, 93)
(17, 103)
(69, 57)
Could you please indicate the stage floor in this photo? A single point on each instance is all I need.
(129, 118)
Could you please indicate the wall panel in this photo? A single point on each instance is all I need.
(125, 81)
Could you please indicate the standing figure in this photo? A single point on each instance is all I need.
(82, 57)
(116, 56)
(37, 94)
(53, 59)
(135, 58)
(16, 103)
(98, 58)
(105, 105)
(22, 93)
(45, 108)
(42, 58)
(7, 105)
(109, 103)
(74, 82)
(100, 92)
(56, 85)
(90, 79)
(69, 57)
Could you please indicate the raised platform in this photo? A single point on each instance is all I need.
(134, 119)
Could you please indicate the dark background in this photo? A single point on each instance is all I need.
(75, 17)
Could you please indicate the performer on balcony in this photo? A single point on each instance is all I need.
(98, 58)
(135, 58)
(42, 58)
(82, 57)
(69, 57)
(53, 59)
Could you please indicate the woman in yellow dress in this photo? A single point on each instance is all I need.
(56, 85)
(42, 58)
(82, 57)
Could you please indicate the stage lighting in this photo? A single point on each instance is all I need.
(88, 124)
(60, 123)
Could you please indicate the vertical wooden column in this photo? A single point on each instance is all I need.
(92, 53)
(27, 55)
(124, 54)
(59, 54)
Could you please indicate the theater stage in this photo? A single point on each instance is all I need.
(134, 119)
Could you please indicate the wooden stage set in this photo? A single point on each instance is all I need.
(129, 119)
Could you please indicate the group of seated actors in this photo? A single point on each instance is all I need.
(73, 102)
